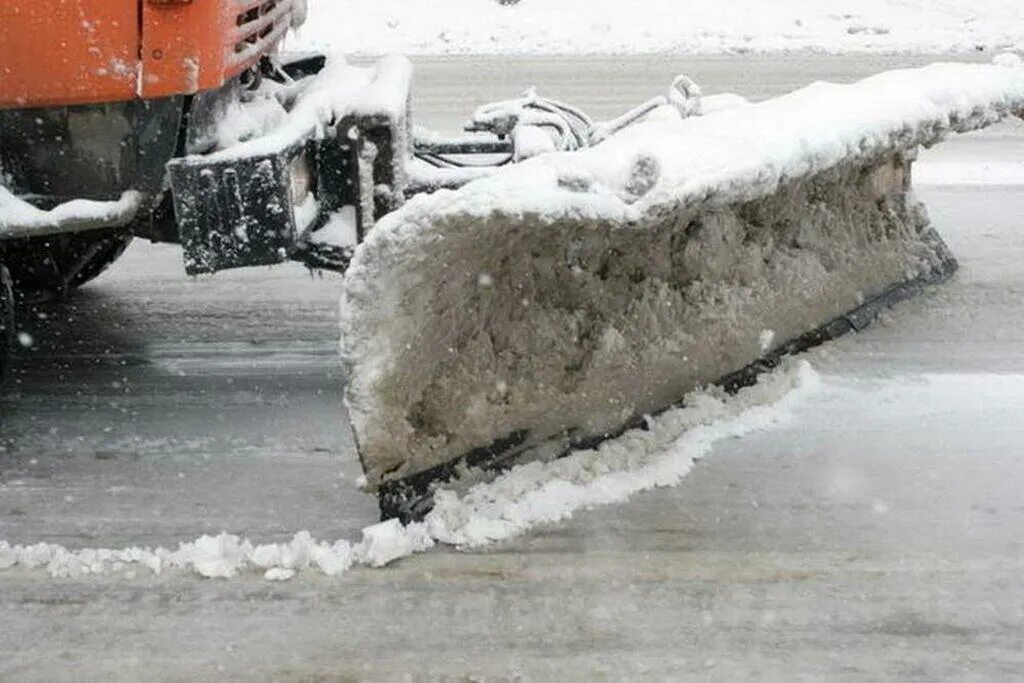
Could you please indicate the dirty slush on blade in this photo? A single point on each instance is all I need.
(560, 301)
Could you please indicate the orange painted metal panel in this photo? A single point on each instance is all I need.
(183, 46)
(57, 52)
(62, 52)
(200, 45)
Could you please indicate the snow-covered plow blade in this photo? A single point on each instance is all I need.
(562, 300)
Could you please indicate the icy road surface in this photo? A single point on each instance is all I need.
(878, 533)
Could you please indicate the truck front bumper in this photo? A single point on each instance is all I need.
(19, 219)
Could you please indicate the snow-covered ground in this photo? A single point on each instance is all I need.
(532, 495)
(872, 534)
(546, 27)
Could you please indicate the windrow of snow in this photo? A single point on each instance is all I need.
(446, 27)
(532, 494)
(227, 555)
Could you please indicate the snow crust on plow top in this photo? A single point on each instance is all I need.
(653, 177)
(738, 154)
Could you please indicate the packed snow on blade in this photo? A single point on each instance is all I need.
(559, 301)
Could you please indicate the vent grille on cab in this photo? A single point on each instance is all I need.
(258, 25)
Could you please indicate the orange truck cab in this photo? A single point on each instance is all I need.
(121, 118)
(67, 52)
(96, 97)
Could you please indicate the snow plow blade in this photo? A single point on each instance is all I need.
(560, 301)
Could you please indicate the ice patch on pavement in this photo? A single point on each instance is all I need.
(526, 496)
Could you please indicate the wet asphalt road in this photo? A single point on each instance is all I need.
(878, 534)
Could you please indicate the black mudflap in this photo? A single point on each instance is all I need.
(238, 212)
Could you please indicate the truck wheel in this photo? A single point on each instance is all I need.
(61, 262)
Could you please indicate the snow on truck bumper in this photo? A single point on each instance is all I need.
(343, 144)
(19, 219)
(560, 301)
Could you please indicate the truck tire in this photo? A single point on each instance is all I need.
(61, 262)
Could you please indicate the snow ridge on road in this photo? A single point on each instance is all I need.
(524, 497)
(446, 27)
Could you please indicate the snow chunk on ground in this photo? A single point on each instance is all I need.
(279, 574)
(215, 556)
(388, 541)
